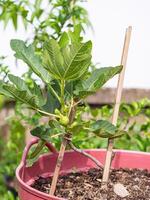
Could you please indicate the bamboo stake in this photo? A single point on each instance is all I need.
(58, 166)
(62, 151)
(117, 105)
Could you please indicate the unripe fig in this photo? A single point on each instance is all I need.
(64, 120)
(57, 112)
(65, 109)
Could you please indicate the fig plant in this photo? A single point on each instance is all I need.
(64, 67)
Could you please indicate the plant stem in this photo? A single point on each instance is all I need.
(72, 112)
(62, 88)
(71, 105)
(58, 166)
(99, 164)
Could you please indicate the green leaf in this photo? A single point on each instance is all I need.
(7, 18)
(20, 84)
(105, 129)
(38, 149)
(118, 134)
(43, 132)
(3, 91)
(67, 60)
(22, 96)
(37, 92)
(54, 25)
(96, 80)
(75, 35)
(77, 59)
(103, 125)
(52, 102)
(15, 20)
(69, 89)
(64, 40)
(54, 124)
(53, 60)
(26, 53)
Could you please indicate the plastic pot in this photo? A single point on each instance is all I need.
(46, 164)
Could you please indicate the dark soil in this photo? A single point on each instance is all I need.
(87, 185)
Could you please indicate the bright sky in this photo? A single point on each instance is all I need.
(109, 19)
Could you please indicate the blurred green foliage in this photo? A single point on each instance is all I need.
(46, 18)
(10, 154)
(8, 196)
(134, 118)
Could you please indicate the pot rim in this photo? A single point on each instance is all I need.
(32, 190)
(46, 196)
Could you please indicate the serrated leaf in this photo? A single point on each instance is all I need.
(77, 59)
(56, 125)
(53, 60)
(96, 80)
(67, 61)
(69, 88)
(64, 40)
(38, 149)
(22, 86)
(105, 129)
(20, 83)
(3, 91)
(26, 53)
(103, 125)
(38, 92)
(118, 133)
(22, 96)
(75, 35)
(52, 102)
(35, 153)
(43, 132)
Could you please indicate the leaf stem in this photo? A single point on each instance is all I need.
(62, 87)
(71, 105)
(56, 135)
(46, 113)
(78, 102)
(54, 93)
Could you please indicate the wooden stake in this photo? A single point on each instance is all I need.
(117, 105)
(58, 166)
(62, 151)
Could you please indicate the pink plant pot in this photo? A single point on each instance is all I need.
(72, 160)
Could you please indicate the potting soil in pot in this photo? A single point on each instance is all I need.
(87, 185)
